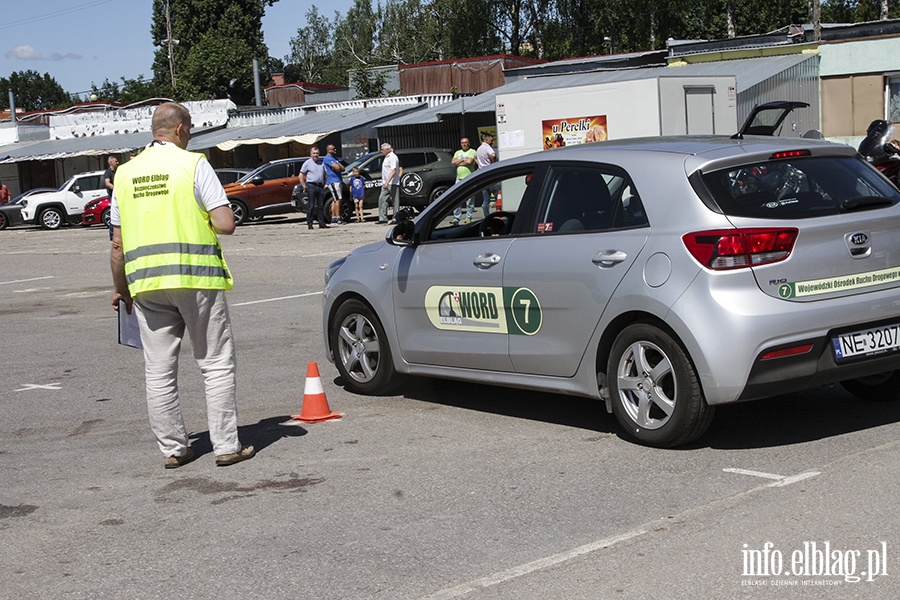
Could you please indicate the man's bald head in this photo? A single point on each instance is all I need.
(172, 123)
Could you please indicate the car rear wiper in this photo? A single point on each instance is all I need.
(864, 202)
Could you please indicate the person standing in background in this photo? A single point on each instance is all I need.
(108, 177)
(465, 161)
(4, 193)
(333, 170)
(484, 156)
(391, 171)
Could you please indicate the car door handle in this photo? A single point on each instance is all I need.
(607, 258)
(486, 261)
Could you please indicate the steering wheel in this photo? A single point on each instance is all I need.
(496, 223)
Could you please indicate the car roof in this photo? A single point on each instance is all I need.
(694, 150)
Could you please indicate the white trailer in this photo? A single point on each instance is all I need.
(661, 105)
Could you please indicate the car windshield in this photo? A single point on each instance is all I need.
(359, 161)
(67, 183)
(799, 188)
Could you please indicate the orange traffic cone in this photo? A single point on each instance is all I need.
(315, 404)
(498, 205)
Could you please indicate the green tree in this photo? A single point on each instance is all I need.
(202, 28)
(311, 51)
(369, 83)
(33, 91)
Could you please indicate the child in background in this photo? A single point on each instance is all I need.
(357, 192)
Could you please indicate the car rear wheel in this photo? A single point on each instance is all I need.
(883, 387)
(655, 393)
(240, 211)
(362, 353)
(51, 218)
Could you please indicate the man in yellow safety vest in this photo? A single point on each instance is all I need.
(167, 209)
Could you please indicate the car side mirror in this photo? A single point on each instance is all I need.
(257, 180)
(402, 234)
(76, 189)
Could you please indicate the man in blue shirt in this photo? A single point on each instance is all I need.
(333, 169)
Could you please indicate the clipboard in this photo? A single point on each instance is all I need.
(129, 331)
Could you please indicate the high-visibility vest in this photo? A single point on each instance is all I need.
(166, 236)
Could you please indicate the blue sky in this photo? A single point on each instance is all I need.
(79, 42)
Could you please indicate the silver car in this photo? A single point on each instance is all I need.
(662, 276)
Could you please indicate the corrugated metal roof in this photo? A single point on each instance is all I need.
(747, 73)
(93, 145)
(310, 123)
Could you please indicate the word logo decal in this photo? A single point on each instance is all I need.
(515, 311)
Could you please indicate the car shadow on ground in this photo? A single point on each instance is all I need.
(784, 420)
(260, 435)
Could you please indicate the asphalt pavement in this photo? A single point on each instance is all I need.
(447, 490)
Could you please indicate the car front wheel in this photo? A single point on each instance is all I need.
(437, 192)
(4, 222)
(105, 217)
(51, 218)
(362, 353)
(882, 387)
(655, 393)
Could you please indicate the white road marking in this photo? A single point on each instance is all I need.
(35, 386)
(754, 473)
(24, 280)
(276, 299)
(794, 479)
(781, 480)
(537, 565)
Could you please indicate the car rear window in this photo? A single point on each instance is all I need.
(799, 188)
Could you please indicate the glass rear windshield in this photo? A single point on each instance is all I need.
(799, 188)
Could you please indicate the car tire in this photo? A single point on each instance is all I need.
(4, 222)
(361, 350)
(104, 218)
(884, 387)
(674, 412)
(436, 192)
(240, 211)
(51, 218)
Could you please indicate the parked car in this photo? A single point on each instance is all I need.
(662, 276)
(265, 191)
(427, 173)
(11, 212)
(51, 210)
(227, 176)
(96, 211)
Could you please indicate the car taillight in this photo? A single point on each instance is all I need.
(724, 249)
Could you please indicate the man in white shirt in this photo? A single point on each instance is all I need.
(390, 189)
(484, 156)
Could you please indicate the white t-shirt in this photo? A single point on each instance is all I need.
(391, 163)
(208, 191)
(485, 154)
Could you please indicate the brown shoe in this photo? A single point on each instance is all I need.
(309, 225)
(245, 453)
(173, 462)
(323, 226)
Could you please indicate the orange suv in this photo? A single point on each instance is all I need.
(265, 191)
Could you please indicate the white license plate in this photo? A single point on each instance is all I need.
(867, 342)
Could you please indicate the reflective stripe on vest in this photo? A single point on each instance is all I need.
(167, 238)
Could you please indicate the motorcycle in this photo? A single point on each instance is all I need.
(881, 150)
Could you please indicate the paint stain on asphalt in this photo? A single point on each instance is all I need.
(206, 486)
(22, 510)
(85, 427)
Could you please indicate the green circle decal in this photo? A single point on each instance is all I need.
(526, 311)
